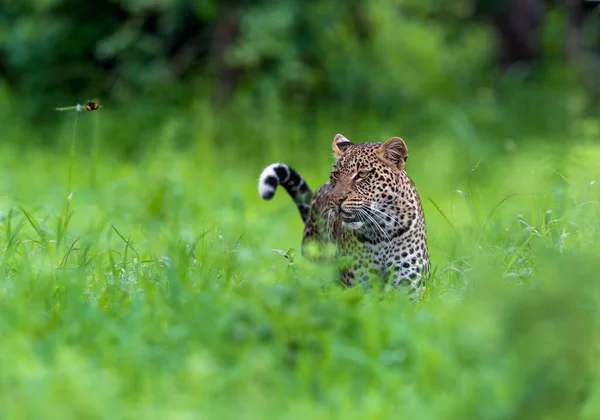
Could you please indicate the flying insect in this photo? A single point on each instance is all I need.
(89, 106)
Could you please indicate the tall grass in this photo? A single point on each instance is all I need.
(156, 292)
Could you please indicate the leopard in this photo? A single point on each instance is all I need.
(370, 210)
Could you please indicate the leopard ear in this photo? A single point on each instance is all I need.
(340, 144)
(394, 152)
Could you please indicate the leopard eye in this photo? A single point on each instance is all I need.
(334, 175)
(364, 174)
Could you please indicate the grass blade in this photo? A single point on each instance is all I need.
(35, 225)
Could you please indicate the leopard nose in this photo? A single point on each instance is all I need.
(337, 200)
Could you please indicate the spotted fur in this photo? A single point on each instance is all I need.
(370, 209)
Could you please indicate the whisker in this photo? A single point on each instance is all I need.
(384, 215)
(376, 217)
(363, 212)
(380, 228)
(330, 217)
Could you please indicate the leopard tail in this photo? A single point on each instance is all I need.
(281, 174)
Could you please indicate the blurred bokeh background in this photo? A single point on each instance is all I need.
(504, 63)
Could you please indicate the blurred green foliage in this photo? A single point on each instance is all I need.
(385, 57)
(334, 47)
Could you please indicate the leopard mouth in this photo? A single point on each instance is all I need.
(347, 216)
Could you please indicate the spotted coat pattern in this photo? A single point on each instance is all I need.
(370, 209)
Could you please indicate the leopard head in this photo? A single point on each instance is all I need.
(364, 179)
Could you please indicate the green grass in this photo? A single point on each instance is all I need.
(154, 292)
